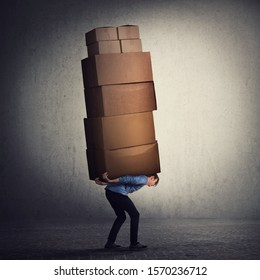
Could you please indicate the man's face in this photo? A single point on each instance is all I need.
(151, 181)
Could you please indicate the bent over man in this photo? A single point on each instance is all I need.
(117, 191)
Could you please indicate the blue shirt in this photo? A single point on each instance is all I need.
(128, 184)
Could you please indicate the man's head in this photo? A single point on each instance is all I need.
(153, 180)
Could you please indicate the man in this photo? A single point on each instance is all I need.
(117, 191)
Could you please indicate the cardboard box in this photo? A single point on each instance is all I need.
(102, 47)
(101, 34)
(121, 68)
(139, 160)
(112, 33)
(113, 100)
(128, 32)
(115, 46)
(134, 45)
(119, 131)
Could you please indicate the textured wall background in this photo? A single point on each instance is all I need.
(206, 62)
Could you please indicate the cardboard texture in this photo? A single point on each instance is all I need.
(102, 47)
(128, 32)
(134, 45)
(112, 100)
(112, 33)
(137, 160)
(120, 99)
(122, 68)
(115, 46)
(101, 34)
(119, 131)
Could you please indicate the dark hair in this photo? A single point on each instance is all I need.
(155, 175)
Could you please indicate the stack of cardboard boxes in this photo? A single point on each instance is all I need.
(120, 98)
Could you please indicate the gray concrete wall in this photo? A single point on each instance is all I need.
(205, 57)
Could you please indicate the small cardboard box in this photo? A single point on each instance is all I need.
(128, 32)
(119, 131)
(138, 160)
(102, 47)
(117, 68)
(101, 34)
(113, 100)
(115, 46)
(133, 45)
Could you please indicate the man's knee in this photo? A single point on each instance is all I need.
(121, 217)
(135, 215)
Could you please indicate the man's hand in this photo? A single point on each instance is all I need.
(105, 177)
(98, 182)
(105, 180)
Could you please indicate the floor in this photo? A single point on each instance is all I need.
(174, 239)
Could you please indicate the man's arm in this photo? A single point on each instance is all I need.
(105, 177)
(132, 180)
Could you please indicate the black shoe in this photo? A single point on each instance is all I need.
(137, 246)
(112, 246)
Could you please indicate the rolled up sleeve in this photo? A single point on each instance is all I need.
(134, 180)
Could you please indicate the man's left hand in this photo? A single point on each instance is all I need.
(98, 182)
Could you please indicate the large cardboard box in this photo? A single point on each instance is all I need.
(117, 68)
(134, 45)
(101, 34)
(102, 47)
(139, 160)
(112, 100)
(119, 131)
(128, 32)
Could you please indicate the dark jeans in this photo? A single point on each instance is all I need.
(121, 203)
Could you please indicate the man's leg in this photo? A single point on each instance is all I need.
(120, 219)
(116, 203)
(121, 203)
(130, 208)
